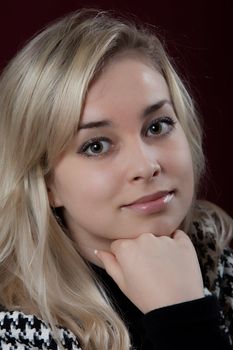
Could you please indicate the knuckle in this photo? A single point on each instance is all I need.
(186, 242)
(145, 236)
(165, 238)
(120, 244)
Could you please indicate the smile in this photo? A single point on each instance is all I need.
(151, 204)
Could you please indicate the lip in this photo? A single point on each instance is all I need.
(151, 203)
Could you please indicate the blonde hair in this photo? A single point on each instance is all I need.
(42, 94)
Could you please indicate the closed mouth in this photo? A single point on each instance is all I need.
(153, 197)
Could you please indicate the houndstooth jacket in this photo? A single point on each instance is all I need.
(211, 233)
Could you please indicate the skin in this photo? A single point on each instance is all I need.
(142, 153)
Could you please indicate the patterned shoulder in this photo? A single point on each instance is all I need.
(211, 233)
(19, 331)
(214, 221)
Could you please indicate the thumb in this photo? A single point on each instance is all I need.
(111, 265)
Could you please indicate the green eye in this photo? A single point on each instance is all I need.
(160, 126)
(156, 128)
(95, 147)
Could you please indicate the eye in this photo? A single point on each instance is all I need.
(95, 147)
(160, 126)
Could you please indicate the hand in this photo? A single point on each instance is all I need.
(154, 272)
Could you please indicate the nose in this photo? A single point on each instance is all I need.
(143, 163)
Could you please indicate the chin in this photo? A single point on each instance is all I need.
(159, 229)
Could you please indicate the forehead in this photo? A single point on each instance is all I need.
(128, 82)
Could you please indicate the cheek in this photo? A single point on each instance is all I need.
(179, 161)
(186, 175)
(89, 193)
(85, 185)
(98, 184)
(187, 158)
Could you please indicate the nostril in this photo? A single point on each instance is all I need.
(137, 178)
(143, 169)
(156, 172)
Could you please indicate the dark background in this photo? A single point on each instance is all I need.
(198, 37)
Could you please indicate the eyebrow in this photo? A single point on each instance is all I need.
(155, 107)
(103, 123)
(98, 124)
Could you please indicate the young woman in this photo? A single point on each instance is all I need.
(103, 242)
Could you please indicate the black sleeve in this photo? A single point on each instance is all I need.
(186, 326)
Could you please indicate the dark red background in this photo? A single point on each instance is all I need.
(198, 36)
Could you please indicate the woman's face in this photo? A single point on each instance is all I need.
(128, 170)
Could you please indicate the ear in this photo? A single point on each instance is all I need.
(54, 199)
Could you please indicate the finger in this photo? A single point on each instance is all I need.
(111, 265)
(178, 234)
(182, 238)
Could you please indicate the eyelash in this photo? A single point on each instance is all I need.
(91, 142)
(168, 121)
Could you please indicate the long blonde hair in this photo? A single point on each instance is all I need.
(42, 94)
